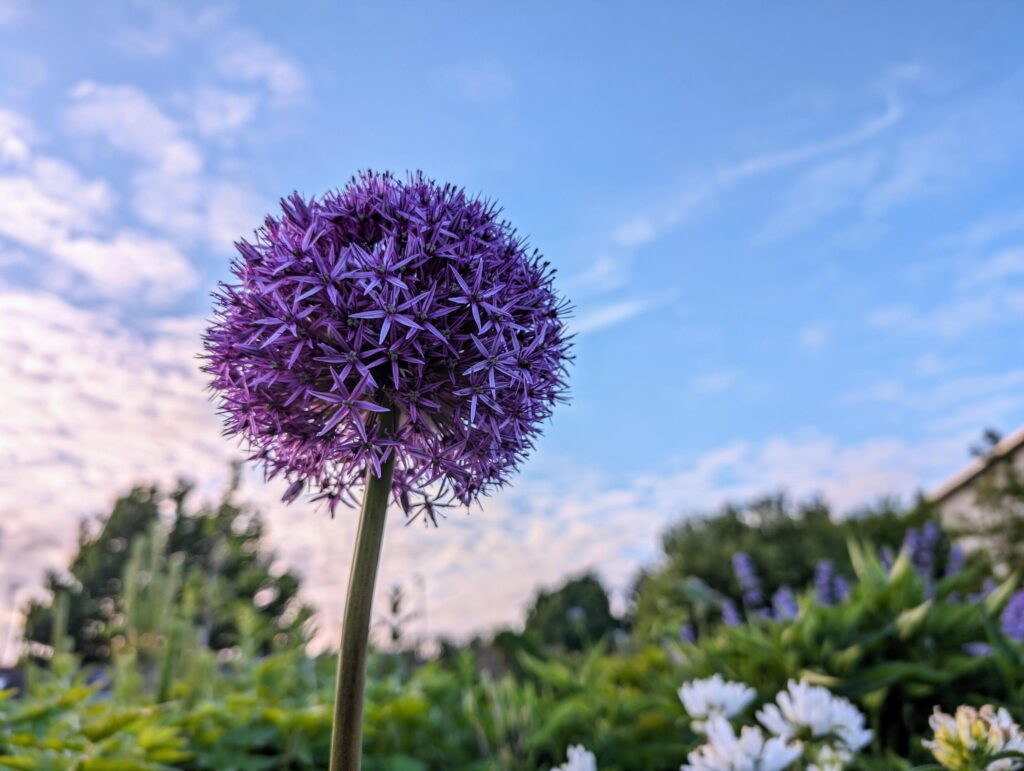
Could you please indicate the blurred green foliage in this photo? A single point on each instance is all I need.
(574, 617)
(169, 694)
(222, 567)
(785, 541)
(896, 647)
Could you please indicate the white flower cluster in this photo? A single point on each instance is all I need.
(810, 712)
(750, 751)
(964, 741)
(806, 721)
(579, 759)
(704, 699)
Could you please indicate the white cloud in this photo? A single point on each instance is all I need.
(15, 132)
(959, 405)
(636, 232)
(131, 122)
(164, 27)
(486, 81)
(715, 382)
(47, 200)
(603, 275)
(10, 11)
(964, 139)
(822, 190)
(219, 111)
(244, 57)
(983, 232)
(233, 212)
(1002, 266)
(129, 262)
(610, 314)
(48, 207)
(98, 408)
(815, 337)
(21, 72)
(989, 292)
(172, 193)
(647, 226)
(929, 364)
(168, 183)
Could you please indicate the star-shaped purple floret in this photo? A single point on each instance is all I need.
(409, 297)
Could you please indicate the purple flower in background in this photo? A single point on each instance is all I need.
(784, 603)
(389, 318)
(823, 590)
(730, 613)
(921, 545)
(978, 649)
(955, 560)
(687, 633)
(746, 577)
(1013, 617)
(887, 557)
(987, 587)
(840, 588)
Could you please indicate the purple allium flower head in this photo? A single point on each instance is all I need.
(746, 577)
(408, 297)
(784, 603)
(1013, 617)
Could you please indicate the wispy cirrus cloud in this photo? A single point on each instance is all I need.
(987, 292)
(815, 337)
(960, 145)
(646, 227)
(716, 381)
(220, 112)
(607, 313)
(10, 10)
(960, 405)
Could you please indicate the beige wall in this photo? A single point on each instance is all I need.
(960, 510)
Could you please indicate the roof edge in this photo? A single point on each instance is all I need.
(1006, 446)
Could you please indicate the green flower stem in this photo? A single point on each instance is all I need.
(347, 735)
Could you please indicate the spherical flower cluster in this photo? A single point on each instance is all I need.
(807, 723)
(750, 751)
(703, 699)
(578, 760)
(805, 711)
(389, 318)
(969, 739)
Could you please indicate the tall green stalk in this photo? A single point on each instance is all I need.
(347, 734)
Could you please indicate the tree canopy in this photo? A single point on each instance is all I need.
(225, 569)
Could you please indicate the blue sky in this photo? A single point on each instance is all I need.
(794, 235)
